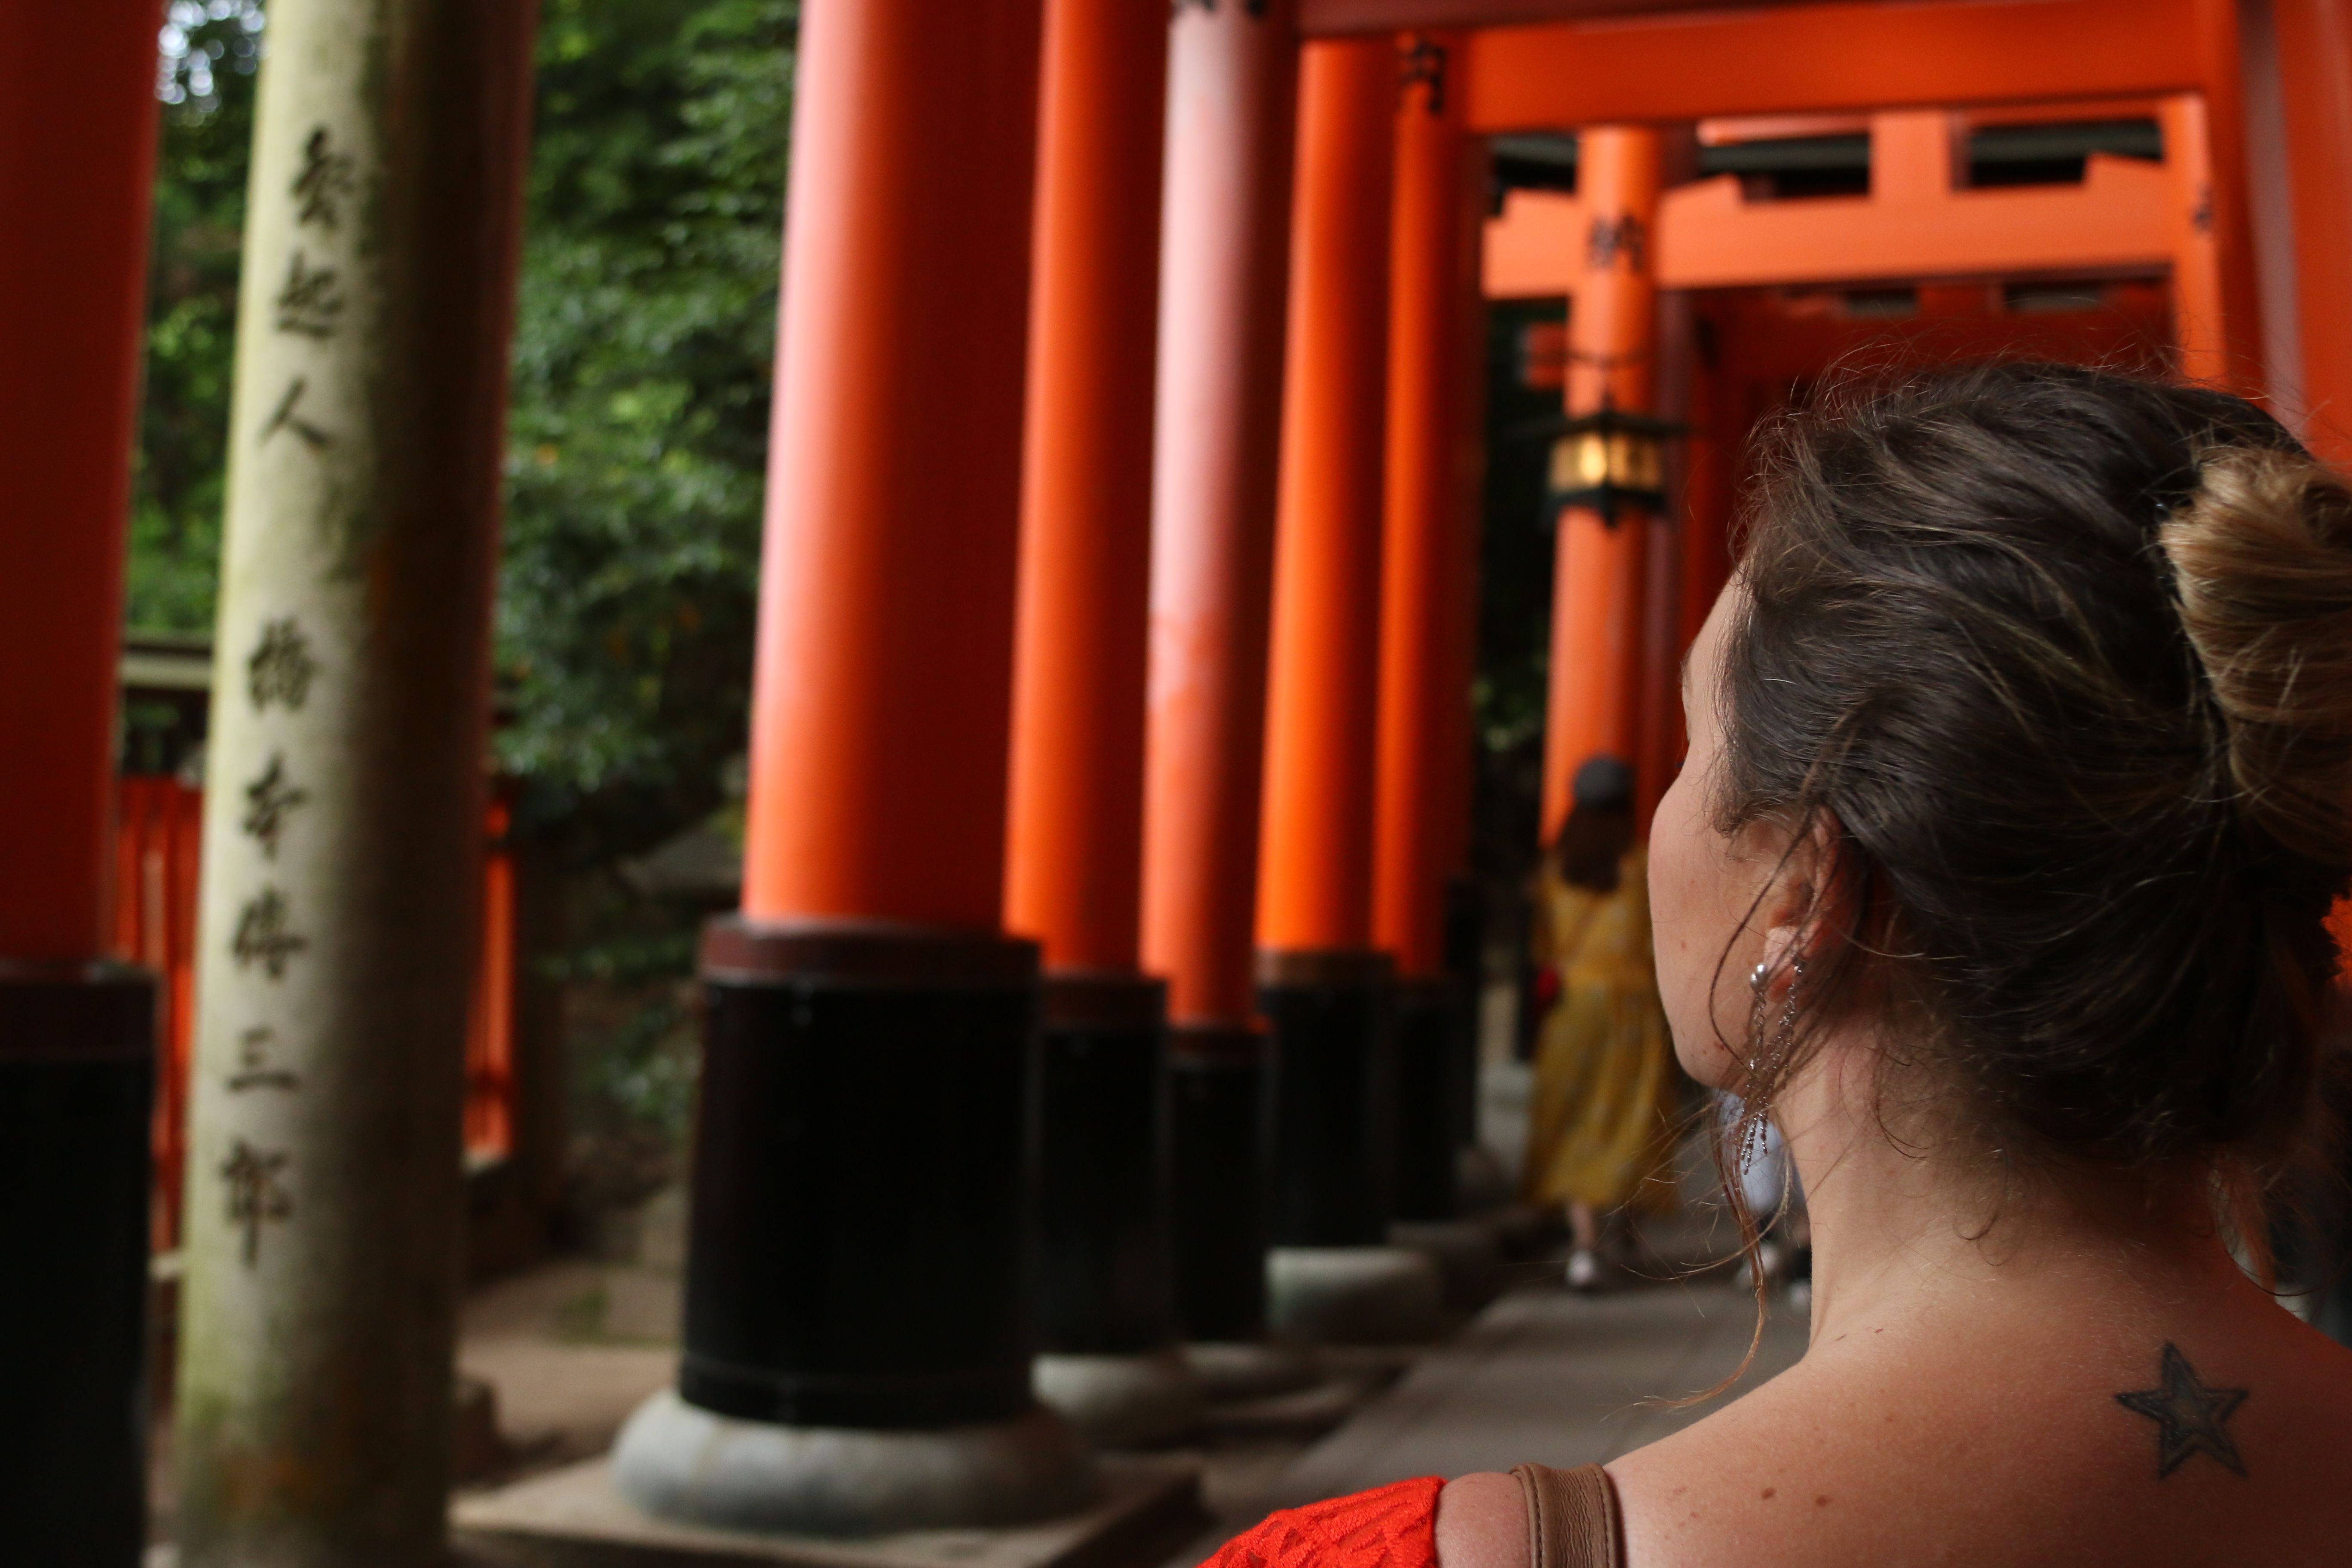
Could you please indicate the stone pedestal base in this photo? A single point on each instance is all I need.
(572, 1518)
(1123, 1401)
(1528, 1230)
(677, 1461)
(1480, 1179)
(1231, 1370)
(1354, 1295)
(1468, 1252)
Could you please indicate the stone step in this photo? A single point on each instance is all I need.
(572, 1518)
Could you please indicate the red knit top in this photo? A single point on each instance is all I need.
(1392, 1527)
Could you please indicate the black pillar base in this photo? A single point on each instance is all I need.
(1103, 1283)
(1217, 1181)
(1429, 1038)
(1466, 965)
(859, 1254)
(1331, 1097)
(77, 1085)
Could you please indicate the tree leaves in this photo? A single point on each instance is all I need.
(638, 434)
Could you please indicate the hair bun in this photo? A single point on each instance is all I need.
(2262, 555)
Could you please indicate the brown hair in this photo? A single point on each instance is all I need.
(2057, 663)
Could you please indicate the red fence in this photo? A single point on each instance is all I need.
(156, 858)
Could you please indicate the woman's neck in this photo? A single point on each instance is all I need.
(1920, 1230)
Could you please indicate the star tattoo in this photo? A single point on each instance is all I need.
(2189, 1417)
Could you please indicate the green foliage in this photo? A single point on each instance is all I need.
(633, 1042)
(637, 442)
(638, 429)
(637, 445)
(180, 484)
(639, 425)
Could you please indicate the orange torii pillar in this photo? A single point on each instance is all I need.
(2201, 319)
(2315, 60)
(1600, 572)
(1421, 841)
(1323, 988)
(2314, 76)
(857, 1257)
(1106, 1324)
(2216, 276)
(1225, 217)
(77, 1034)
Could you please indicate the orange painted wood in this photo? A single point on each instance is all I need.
(2200, 303)
(2119, 218)
(1225, 248)
(1333, 19)
(1074, 833)
(1799, 58)
(158, 837)
(1531, 245)
(1596, 631)
(1671, 560)
(1429, 571)
(882, 686)
(1315, 861)
(2122, 218)
(2227, 201)
(1771, 341)
(1598, 593)
(2315, 52)
(491, 1019)
(2339, 926)
(77, 161)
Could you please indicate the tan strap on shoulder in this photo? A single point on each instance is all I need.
(1572, 1518)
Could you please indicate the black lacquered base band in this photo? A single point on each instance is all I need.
(1430, 1036)
(1217, 1182)
(77, 1083)
(1330, 1107)
(859, 1251)
(1102, 1179)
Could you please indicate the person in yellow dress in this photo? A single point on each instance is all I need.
(1601, 1124)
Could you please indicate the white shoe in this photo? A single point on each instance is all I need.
(1583, 1270)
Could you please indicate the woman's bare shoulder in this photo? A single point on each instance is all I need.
(2227, 1449)
(1482, 1523)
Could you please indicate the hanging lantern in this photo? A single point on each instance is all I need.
(1607, 461)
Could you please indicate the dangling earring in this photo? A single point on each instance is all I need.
(1758, 979)
(1767, 1052)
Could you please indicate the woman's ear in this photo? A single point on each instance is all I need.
(1809, 900)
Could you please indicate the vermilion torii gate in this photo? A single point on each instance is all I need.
(1290, 548)
(77, 1034)
(952, 607)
